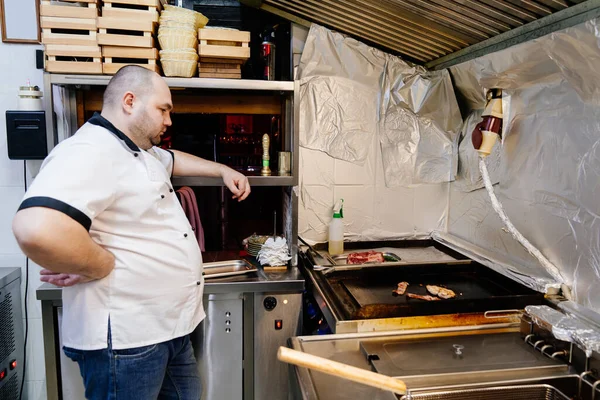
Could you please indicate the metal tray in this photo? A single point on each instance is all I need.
(222, 269)
(342, 259)
(521, 392)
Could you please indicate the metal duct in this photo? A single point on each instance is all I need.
(423, 31)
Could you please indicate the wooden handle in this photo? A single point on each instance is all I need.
(341, 370)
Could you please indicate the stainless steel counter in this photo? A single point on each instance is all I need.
(290, 280)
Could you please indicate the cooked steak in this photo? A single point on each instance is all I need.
(426, 297)
(441, 292)
(446, 293)
(401, 289)
(365, 257)
(434, 290)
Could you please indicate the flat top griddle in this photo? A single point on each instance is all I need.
(367, 293)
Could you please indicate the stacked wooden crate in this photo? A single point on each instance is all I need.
(222, 52)
(126, 34)
(69, 35)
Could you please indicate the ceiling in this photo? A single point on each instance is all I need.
(423, 31)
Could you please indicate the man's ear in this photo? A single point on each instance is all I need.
(128, 102)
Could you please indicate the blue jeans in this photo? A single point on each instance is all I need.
(160, 371)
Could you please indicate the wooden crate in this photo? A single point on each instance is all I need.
(126, 32)
(220, 70)
(211, 60)
(139, 10)
(69, 31)
(88, 9)
(224, 44)
(116, 58)
(73, 59)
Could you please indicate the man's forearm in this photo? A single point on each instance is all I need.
(85, 258)
(190, 165)
(59, 244)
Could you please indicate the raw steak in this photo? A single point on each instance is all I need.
(365, 257)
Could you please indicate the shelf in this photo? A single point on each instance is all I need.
(200, 83)
(254, 181)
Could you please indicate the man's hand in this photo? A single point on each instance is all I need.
(189, 165)
(62, 280)
(236, 182)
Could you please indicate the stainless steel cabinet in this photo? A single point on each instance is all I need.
(276, 319)
(218, 345)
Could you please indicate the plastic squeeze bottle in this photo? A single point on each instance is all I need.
(336, 230)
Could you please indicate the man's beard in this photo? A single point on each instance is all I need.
(144, 130)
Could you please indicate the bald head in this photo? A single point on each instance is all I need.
(132, 78)
(138, 102)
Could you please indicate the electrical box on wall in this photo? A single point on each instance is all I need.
(26, 135)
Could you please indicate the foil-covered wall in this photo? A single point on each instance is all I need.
(371, 127)
(548, 167)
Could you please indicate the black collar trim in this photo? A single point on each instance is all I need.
(99, 120)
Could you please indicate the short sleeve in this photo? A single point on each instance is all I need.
(166, 158)
(77, 179)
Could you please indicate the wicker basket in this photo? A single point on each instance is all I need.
(181, 24)
(177, 38)
(180, 68)
(200, 19)
(176, 17)
(180, 54)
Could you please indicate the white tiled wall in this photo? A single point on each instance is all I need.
(17, 66)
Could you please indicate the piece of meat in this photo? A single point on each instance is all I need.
(401, 289)
(426, 297)
(365, 257)
(441, 292)
(446, 293)
(434, 290)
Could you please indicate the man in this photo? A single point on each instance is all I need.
(102, 218)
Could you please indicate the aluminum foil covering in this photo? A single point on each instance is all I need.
(351, 93)
(549, 162)
(504, 264)
(420, 121)
(567, 327)
(348, 92)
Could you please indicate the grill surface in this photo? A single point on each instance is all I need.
(367, 293)
(528, 392)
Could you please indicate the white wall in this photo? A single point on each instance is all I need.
(17, 65)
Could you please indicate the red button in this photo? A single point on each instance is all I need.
(3, 374)
(13, 364)
(278, 324)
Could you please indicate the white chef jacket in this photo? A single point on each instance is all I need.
(124, 197)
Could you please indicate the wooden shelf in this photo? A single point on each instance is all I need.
(254, 181)
(200, 83)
